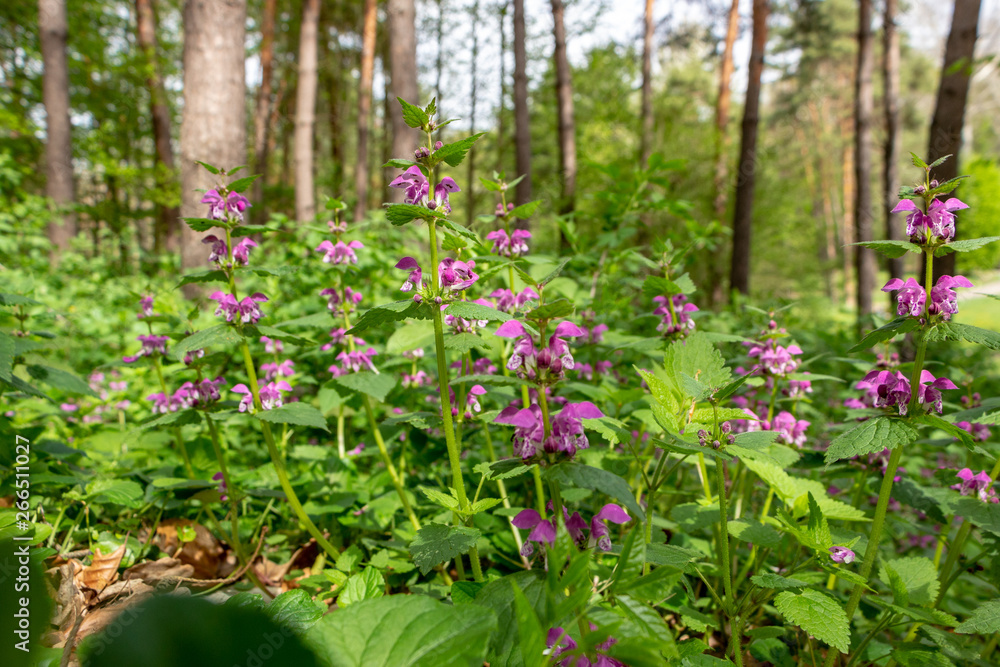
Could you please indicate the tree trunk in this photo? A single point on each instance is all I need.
(719, 197)
(890, 176)
(262, 122)
(361, 173)
(848, 186)
(167, 218)
(59, 141)
(949, 112)
(439, 62)
(332, 81)
(213, 127)
(566, 126)
(403, 73)
(470, 175)
(522, 121)
(305, 112)
(647, 86)
(503, 84)
(864, 105)
(739, 272)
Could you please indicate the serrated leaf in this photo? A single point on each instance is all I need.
(554, 273)
(6, 356)
(790, 489)
(475, 311)
(918, 655)
(242, 184)
(365, 585)
(900, 325)
(956, 331)
(298, 414)
(273, 332)
(219, 335)
(413, 115)
(504, 469)
(754, 532)
(465, 341)
(552, 310)
(818, 614)
(385, 314)
(119, 492)
(436, 543)
(892, 249)
(869, 437)
(525, 210)
(17, 300)
(376, 385)
(900, 594)
(965, 245)
(698, 359)
(449, 502)
(776, 581)
(583, 476)
(403, 631)
(397, 163)
(202, 224)
(984, 621)
(917, 161)
(295, 610)
(212, 275)
(210, 168)
(60, 379)
(452, 154)
(400, 214)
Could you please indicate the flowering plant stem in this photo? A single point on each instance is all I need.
(396, 481)
(726, 566)
(181, 447)
(448, 424)
(279, 464)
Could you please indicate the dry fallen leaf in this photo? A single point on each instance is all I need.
(204, 553)
(153, 571)
(102, 571)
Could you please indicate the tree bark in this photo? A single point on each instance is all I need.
(949, 112)
(439, 61)
(719, 197)
(361, 174)
(566, 125)
(213, 126)
(403, 73)
(305, 112)
(647, 86)
(503, 84)
(167, 218)
(522, 121)
(262, 122)
(739, 273)
(864, 105)
(470, 209)
(890, 176)
(59, 141)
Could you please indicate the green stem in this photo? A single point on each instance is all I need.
(341, 445)
(727, 575)
(279, 464)
(377, 434)
(178, 437)
(703, 473)
(502, 488)
(227, 480)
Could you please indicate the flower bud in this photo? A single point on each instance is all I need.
(438, 300)
(934, 183)
(510, 206)
(544, 358)
(556, 366)
(418, 298)
(421, 153)
(716, 444)
(703, 434)
(432, 204)
(731, 439)
(438, 145)
(726, 427)
(919, 190)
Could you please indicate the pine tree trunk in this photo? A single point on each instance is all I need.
(739, 273)
(522, 121)
(403, 74)
(890, 175)
(470, 160)
(305, 112)
(165, 232)
(59, 141)
(501, 107)
(949, 112)
(566, 125)
(864, 105)
(647, 86)
(719, 197)
(361, 174)
(263, 117)
(213, 126)
(439, 61)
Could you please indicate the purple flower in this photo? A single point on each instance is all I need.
(456, 275)
(599, 534)
(218, 477)
(775, 359)
(418, 379)
(681, 309)
(522, 358)
(567, 434)
(929, 391)
(151, 345)
(514, 245)
(357, 450)
(462, 325)
(910, 298)
(542, 530)
(234, 205)
(241, 251)
(246, 403)
(220, 252)
(976, 484)
(841, 555)
(559, 642)
(341, 253)
(270, 395)
(528, 428)
(943, 297)
(146, 304)
(890, 388)
(560, 349)
(161, 403)
(353, 362)
(227, 307)
(285, 369)
(338, 301)
(595, 334)
(192, 355)
(471, 400)
(272, 345)
(414, 183)
(441, 192)
(249, 310)
(414, 280)
(916, 222)
(790, 430)
(980, 432)
(508, 302)
(940, 218)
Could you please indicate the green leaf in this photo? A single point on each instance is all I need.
(772, 651)
(554, 273)
(272, 332)
(366, 585)
(464, 592)
(242, 184)
(17, 300)
(298, 413)
(492, 186)
(449, 502)
(953, 430)
(917, 160)
(912, 654)
(465, 341)
(118, 492)
(489, 380)
(900, 594)
(202, 224)
(503, 469)
(475, 311)
(400, 214)
(6, 356)
(671, 555)
(984, 621)
(790, 489)
(436, 543)
(595, 479)
(892, 249)
(211, 275)
(59, 379)
(525, 210)
(746, 530)
(384, 314)
(219, 335)
(870, 436)
(956, 331)
(552, 310)
(945, 187)
(699, 360)
(210, 168)
(453, 154)
(529, 629)
(397, 163)
(498, 597)
(376, 385)
(771, 580)
(818, 614)
(295, 610)
(900, 325)
(413, 115)
(464, 232)
(965, 245)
